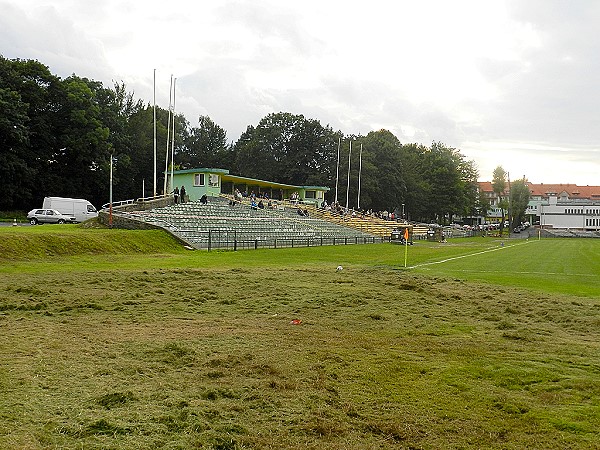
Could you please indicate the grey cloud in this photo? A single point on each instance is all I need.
(271, 21)
(53, 40)
(552, 95)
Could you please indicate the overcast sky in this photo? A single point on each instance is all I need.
(510, 83)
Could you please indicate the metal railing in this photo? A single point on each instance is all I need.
(229, 240)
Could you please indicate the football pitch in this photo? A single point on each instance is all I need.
(124, 340)
(570, 266)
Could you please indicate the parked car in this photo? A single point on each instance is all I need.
(79, 208)
(36, 216)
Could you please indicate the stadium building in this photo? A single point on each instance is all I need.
(212, 182)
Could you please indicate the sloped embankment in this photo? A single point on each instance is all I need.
(27, 243)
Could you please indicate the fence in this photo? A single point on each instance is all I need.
(227, 240)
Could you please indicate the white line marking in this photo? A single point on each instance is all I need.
(495, 249)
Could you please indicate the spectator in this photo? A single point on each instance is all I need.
(204, 199)
(182, 193)
(176, 194)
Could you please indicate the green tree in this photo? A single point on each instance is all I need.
(14, 137)
(82, 145)
(205, 146)
(452, 181)
(483, 204)
(519, 199)
(499, 187)
(287, 148)
(382, 182)
(117, 106)
(30, 99)
(418, 188)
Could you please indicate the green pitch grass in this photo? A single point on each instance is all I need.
(112, 339)
(570, 266)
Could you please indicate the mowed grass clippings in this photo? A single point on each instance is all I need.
(209, 358)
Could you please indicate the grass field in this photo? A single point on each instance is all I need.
(114, 339)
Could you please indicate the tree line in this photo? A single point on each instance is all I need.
(57, 137)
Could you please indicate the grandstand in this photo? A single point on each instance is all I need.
(224, 223)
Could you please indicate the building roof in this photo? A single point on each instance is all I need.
(226, 176)
(572, 190)
(544, 190)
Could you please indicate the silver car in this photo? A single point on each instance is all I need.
(36, 216)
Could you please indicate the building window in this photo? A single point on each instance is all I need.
(310, 194)
(213, 180)
(199, 179)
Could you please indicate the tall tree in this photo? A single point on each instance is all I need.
(31, 98)
(483, 204)
(519, 199)
(82, 144)
(383, 186)
(453, 182)
(14, 136)
(499, 188)
(418, 189)
(205, 146)
(287, 148)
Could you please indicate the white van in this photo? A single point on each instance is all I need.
(77, 207)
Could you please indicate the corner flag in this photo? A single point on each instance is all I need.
(405, 245)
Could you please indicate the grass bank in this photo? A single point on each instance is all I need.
(31, 243)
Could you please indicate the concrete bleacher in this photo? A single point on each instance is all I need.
(217, 224)
(363, 223)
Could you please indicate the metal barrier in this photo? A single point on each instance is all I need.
(227, 240)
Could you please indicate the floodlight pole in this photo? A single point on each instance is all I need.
(509, 205)
(110, 193)
(359, 172)
(154, 98)
(337, 170)
(348, 186)
(173, 135)
(168, 138)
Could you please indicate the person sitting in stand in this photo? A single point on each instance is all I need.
(261, 205)
(204, 199)
(253, 204)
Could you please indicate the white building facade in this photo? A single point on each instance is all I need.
(562, 206)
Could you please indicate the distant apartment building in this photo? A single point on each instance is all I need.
(553, 205)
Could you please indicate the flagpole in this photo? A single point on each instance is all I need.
(173, 134)
(168, 138)
(359, 171)
(406, 236)
(154, 99)
(348, 187)
(337, 170)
